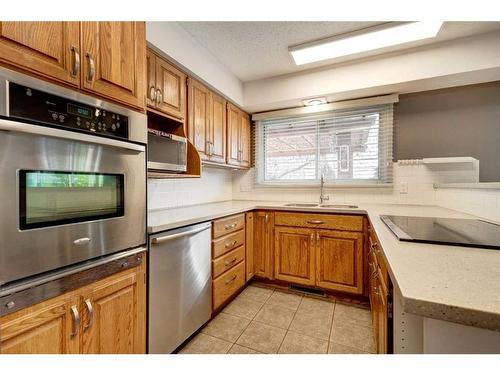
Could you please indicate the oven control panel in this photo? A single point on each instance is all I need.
(30, 104)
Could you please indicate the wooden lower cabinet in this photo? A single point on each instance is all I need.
(249, 256)
(107, 316)
(339, 261)
(294, 255)
(46, 328)
(379, 294)
(263, 244)
(114, 315)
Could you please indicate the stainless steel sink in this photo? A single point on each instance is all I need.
(338, 206)
(301, 205)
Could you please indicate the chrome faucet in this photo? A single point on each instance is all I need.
(323, 197)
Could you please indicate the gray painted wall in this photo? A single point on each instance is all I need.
(462, 121)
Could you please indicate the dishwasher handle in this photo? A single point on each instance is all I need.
(171, 237)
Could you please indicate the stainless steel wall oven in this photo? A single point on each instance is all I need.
(72, 177)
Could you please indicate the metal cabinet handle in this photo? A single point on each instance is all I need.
(152, 93)
(230, 262)
(230, 244)
(267, 218)
(317, 239)
(231, 226)
(229, 281)
(159, 96)
(312, 239)
(316, 222)
(76, 321)
(76, 63)
(90, 310)
(91, 74)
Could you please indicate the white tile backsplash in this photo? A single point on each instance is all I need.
(215, 185)
(418, 178)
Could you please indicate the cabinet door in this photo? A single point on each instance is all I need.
(233, 135)
(50, 327)
(170, 90)
(294, 255)
(198, 117)
(114, 314)
(245, 134)
(339, 261)
(114, 58)
(218, 128)
(50, 49)
(249, 256)
(151, 79)
(263, 250)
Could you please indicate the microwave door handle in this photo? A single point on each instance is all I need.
(21, 127)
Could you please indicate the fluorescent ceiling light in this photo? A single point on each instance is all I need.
(364, 41)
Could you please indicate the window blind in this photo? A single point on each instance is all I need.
(345, 146)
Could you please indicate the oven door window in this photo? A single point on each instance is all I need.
(48, 198)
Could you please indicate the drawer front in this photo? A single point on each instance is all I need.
(227, 284)
(228, 225)
(222, 245)
(227, 261)
(320, 221)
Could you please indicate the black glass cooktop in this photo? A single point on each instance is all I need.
(458, 232)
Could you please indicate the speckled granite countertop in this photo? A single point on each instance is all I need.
(452, 283)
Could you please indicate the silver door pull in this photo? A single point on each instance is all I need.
(76, 64)
(315, 222)
(170, 237)
(233, 225)
(76, 321)
(229, 281)
(91, 73)
(81, 241)
(231, 244)
(90, 311)
(230, 262)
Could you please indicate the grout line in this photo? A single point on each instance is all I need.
(287, 329)
(331, 328)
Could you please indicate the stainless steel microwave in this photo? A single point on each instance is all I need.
(166, 152)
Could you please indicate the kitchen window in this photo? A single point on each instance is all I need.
(349, 147)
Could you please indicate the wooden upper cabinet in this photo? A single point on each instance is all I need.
(233, 135)
(263, 244)
(294, 255)
(150, 78)
(339, 261)
(114, 315)
(46, 328)
(218, 128)
(238, 137)
(170, 89)
(50, 49)
(245, 141)
(199, 117)
(114, 58)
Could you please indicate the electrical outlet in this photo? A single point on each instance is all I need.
(403, 188)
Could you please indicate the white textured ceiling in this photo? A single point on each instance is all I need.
(255, 50)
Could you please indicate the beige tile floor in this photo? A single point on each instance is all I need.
(267, 320)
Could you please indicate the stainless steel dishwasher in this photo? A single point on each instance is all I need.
(180, 286)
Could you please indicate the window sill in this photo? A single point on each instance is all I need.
(326, 186)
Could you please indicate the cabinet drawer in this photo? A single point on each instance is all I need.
(229, 260)
(320, 221)
(227, 284)
(227, 243)
(227, 225)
